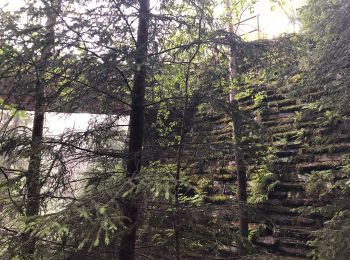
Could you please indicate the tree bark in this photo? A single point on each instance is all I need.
(33, 174)
(136, 128)
(237, 135)
(241, 178)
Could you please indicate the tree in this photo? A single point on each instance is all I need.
(136, 136)
(34, 170)
(237, 132)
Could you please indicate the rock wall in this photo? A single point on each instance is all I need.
(303, 142)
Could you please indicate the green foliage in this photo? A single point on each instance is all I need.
(329, 118)
(262, 182)
(256, 231)
(259, 98)
(319, 183)
(216, 199)
(244, 92)
(298, 116)
(327, 50)
(158, 176)
(333, 241)
(204, 185)
(333, 189)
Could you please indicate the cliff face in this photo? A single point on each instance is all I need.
(303, 141)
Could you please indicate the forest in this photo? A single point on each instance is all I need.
(197, 139)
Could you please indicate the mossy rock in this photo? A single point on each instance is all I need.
(227, 177)
(221, 131)
(281, 128)
(205, 186)
(282, 103)
(216, 199)
(229, 169)
(251, 107)
(197, 168)
(336, 148)
(290, 135)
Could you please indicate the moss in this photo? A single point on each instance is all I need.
(291, 108)
(322, 149)
(221, 131)
(225, 177)
(251, 107)
(197, 168)
(230, 168)
(224, 120)
(244, 95)
(274, 120)
(223, 137)
(227, 173)
(216, 199)
(290, 134)
(257, 231)
(204, 185)
(282, 103)
(280, 128)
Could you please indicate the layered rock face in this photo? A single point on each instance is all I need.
(303, 142)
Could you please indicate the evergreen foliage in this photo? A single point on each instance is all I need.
(327, 40)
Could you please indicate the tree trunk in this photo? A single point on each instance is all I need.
(237, 136)
(130, 210)
(241, 178)
(33, 174)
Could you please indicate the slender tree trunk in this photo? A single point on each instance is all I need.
(33, 173)
(241, 179)
(130, 209)
(33, 182)
(237, 135)
(177, 178)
